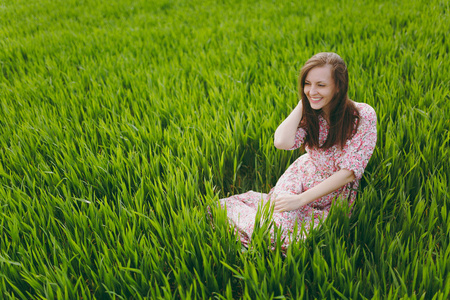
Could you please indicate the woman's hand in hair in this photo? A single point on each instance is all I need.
(284, 137)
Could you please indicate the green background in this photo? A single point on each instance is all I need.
(121, 122)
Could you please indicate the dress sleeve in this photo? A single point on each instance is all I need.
(359, 148)
(299, 138)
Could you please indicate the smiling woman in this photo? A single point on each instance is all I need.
(319, 88)
(339, 137)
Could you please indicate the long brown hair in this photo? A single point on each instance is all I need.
(344, 116)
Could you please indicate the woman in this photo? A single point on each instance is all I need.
(339, 136)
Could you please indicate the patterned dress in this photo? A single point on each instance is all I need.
(306, 172)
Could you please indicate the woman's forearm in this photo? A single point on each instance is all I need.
(285, 134)
(331, 184)
(287, 202)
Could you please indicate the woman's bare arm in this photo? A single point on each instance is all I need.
(285, 134)
(287, 202)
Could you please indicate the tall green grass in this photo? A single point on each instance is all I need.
(122, 122)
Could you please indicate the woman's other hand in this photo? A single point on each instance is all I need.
(286, 202)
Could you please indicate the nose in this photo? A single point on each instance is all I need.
(312, 90)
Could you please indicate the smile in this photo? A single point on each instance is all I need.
(316, 99)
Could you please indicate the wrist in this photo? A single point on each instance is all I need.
(303, 198)
(300, 200)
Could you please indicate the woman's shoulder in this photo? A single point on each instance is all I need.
(365, 110)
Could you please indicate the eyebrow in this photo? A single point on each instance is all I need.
(320, 81)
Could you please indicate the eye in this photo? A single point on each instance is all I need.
(321, 84)
(307, 83)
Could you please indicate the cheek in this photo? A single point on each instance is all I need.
(330, 92)
(306, 90)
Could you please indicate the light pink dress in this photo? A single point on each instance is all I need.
(307, 171)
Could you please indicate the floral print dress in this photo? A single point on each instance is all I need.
(306, 172)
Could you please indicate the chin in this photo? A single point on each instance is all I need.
(316, 107)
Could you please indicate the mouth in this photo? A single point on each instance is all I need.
(315, 100)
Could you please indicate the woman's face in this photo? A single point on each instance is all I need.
(319, 88)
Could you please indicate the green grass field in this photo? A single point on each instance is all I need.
(121, 122)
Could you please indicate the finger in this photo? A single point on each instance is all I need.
(278, 210)
(278, 207)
